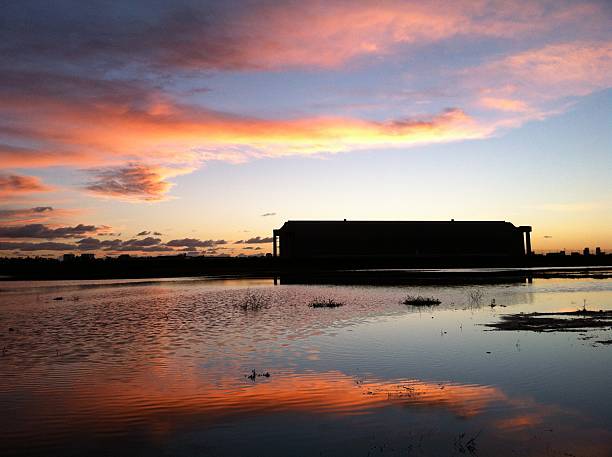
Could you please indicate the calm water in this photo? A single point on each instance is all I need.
(159, 368)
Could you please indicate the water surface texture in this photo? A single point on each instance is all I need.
(162, 368)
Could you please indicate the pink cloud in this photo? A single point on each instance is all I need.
(553, 71)
(110, 134)
(537, 83)
(331, 33)
(133, 182)
(134, 136)
(11, 185)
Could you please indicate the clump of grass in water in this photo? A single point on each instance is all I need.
(325, 303)
(420, 301)
(475, 296)
(253, 301)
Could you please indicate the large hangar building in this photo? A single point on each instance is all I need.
(400, 239)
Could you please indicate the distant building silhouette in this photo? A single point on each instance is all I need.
(359, 239)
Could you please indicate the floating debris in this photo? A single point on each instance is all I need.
(58, 298)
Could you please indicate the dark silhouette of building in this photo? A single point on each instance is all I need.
(69, 257)
(400, 239)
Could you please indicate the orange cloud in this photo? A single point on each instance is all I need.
(137, 136)
(134, 182)
(505, 104)
(107, 134)
(11, 185)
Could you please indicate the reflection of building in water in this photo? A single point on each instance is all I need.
(341, 239)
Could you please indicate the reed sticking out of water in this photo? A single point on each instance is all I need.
(253, 301)
(475, 297)
(325, 303)
(421, 301)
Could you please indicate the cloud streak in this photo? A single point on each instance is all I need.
(107, 246)
(229, 36)
(538, 82)
(195, 243)
(258, 240)
(46, 232)
(24, 215)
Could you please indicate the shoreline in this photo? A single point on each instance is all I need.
(363, 276)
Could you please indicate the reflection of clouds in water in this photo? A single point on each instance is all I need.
(175, 352)
(164, 399)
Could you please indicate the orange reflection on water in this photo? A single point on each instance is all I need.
(329, 393)
(520, 422)
(164, 399)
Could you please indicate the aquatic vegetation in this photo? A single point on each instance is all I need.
(568, 321)
(475, 297)
(254, 375)
(420, 301)
(325, 303)
(464, 445)
(254, 301)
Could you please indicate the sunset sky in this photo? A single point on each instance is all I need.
(150, 127)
